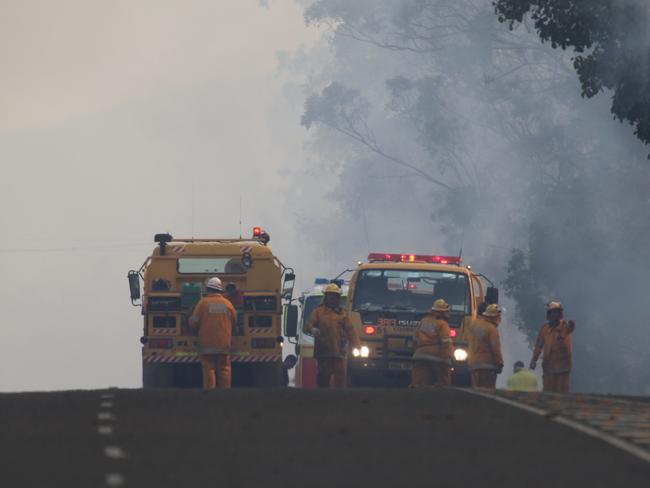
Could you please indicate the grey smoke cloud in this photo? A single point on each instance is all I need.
(118, 121)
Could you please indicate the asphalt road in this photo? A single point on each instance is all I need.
(257, 438)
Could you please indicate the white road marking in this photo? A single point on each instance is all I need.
(114, 479)
(104, 429)
(107, 396)
(585, 429)
(114, 452)
(105, 416)
(106, 404)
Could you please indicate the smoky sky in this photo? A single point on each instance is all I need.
(119, 120)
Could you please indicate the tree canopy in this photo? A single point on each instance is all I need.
(612, 42)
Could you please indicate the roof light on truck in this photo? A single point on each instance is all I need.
(414, 258)
(261, 235)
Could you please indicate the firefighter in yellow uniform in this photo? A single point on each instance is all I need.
(484, 356)
(556, 343)
(433, 348)
(214, 317)
(333, 333)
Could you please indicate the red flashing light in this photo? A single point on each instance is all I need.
(453, 333)
(414, 258)
(257, 231)
(370, 329)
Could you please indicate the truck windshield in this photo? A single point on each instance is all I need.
(223, 265)
(414, 291)
(311, 303)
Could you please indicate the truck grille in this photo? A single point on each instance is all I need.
(263, 303)
(164, 304)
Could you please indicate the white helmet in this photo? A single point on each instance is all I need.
(214, 284)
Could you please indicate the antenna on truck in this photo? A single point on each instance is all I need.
(239, 215)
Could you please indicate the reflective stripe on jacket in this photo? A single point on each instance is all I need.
(556, 344)
(433, 340)
(335, 332)
(214, 317)
(484, 345)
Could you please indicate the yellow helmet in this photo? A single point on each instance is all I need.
(440, 306)
(492, 310)
(554, 306)
(332, 288)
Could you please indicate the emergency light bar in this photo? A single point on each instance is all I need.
(414, 258)
(257, 231)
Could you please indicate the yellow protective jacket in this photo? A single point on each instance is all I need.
(433, 340)
(556, 344)
(523, 380)
(335, 332)
(214, 317)
(484, 345)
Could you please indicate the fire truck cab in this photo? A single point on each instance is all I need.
(174, 277)
(390, 294)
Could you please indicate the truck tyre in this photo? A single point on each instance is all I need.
(156, 375)
(269, 375)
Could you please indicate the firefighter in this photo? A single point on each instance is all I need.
(522, 379)
(556, 343)
(214, 317)
(433, 348)
(333, 332)
(484, 356)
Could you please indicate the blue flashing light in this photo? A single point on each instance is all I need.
(321, 281)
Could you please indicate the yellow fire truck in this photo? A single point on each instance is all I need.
(391, 293)
(174, 279)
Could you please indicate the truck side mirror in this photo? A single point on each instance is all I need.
(289, 283)
(290, 321)
(492, 295)
(134, 285)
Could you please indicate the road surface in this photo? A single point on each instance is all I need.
(290, 438)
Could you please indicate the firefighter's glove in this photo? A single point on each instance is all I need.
(315, 332)
(500, 369)
(533, 364)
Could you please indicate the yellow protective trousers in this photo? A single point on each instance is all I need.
(216, 371)
(332, 368)
(484, 378)
(556, 382)
(430, 373)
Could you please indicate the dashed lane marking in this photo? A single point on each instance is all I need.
(555, 414)
(114, 479)
(104, 430)
(114, 452)
(111, 479)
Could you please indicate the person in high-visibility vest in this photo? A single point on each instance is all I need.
(433, 348)
(214, 317)
(555, 341)
(330, 325)
(522, 379)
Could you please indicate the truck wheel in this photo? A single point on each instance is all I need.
(157, 375)
(269, 375)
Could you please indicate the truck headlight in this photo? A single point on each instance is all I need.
(363, 352)
(460, 355)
